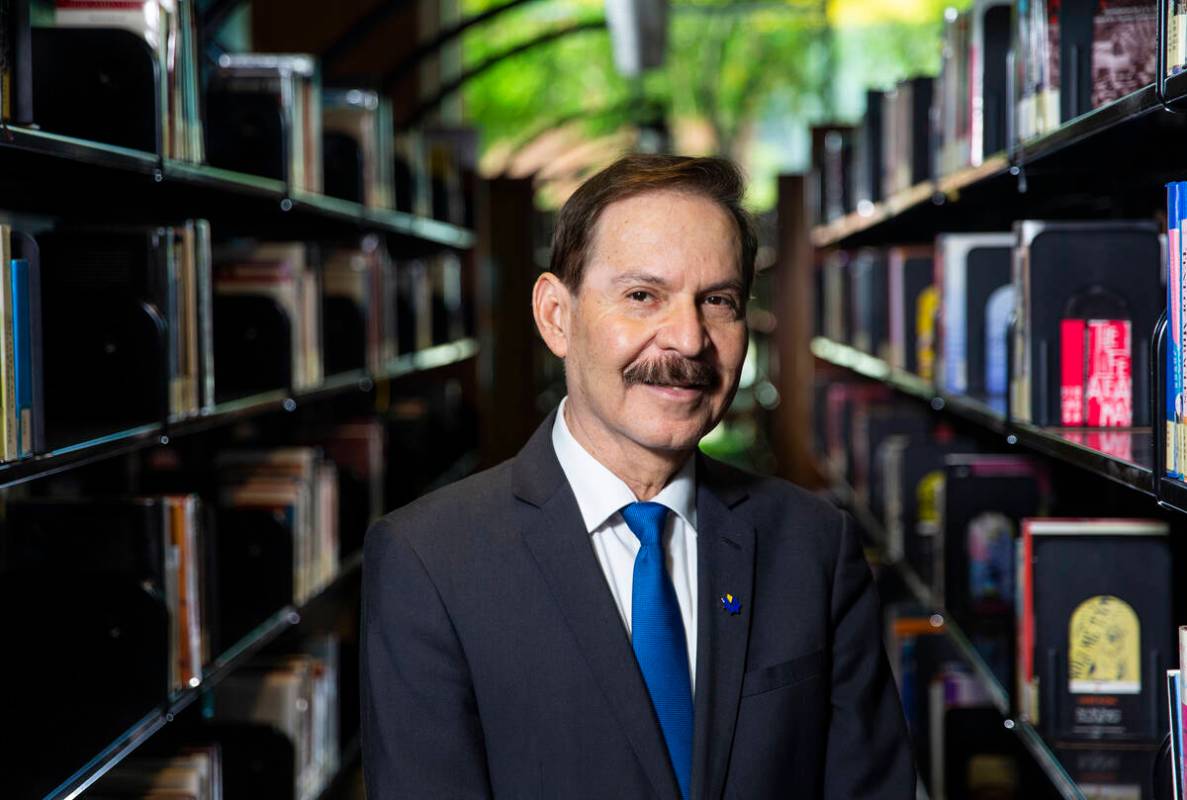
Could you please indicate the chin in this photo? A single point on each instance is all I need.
(670, 435)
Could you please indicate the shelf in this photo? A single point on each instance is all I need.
(994, 193)
(1039, 748)
(213, 674)
(145, 181)
(1123, 455)
(122, 442)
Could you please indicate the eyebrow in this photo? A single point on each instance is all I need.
(731, 284)
(640, 277)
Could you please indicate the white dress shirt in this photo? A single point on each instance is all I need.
(601, 494)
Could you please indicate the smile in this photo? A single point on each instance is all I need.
(676, 392)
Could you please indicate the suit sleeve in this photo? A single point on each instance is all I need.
(421, 735)
(868, 752)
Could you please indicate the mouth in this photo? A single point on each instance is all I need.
(676, 392)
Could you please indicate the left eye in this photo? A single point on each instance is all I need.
(720, 300)
(640, 296)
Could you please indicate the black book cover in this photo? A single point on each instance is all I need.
(980, 755)
(985, 500)
(1065, 261)
(103, 310)
(912, 270)
(995, 99)
(98, 84)
(920, 133)
(94, 571)
(246, 126)
(871, 329)
(1121, 772)
(1098, 598)
(1075, 57)
(875, 427)
(867, 169)
(913, 514)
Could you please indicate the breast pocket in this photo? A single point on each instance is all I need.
(787, 673)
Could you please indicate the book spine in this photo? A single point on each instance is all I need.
(1180, 313)
(955, 334)
(1027, 687)
(1108, 374)
(36, 357)
(1174, 708)
(11, 450)
(1071, 372)
(205, 289)
(1174, 342)
(23, 362)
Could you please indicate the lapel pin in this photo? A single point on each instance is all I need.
(728, 603)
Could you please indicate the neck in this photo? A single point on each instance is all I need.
(645, 472)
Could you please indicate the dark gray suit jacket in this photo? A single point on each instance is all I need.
(495, 664)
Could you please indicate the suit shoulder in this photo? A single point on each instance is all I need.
(458, 507)
(776, 499)
(776, 494)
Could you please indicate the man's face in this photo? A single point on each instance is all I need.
(657, 331)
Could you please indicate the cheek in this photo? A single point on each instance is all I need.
(731, 348)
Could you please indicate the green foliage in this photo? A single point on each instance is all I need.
(746, 71)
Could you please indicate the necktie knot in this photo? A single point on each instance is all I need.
(646, 521)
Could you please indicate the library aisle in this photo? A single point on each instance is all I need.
(268, 271)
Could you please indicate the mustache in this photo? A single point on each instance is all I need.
(672, 371)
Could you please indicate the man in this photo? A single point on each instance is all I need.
(610, 614)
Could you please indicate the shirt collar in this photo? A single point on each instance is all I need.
(600, 493)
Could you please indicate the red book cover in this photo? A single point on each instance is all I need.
(1071, 383)
(1026, 629)
(1109, 374)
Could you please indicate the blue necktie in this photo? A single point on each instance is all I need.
(657, 635)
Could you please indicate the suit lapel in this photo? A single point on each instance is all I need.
(725, 565)
(555, 535)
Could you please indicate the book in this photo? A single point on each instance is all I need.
(1176, 36)
(867, 158)
(285, 273)
(1080, 325)
(832, 162)
(910, 273)
(870, 333)
(1094, 627)
(298, 486)
(1176, 320)
(194, 774)
(82, 29)
(985, 499)
(913, 480)
(359, 158)
(1124, 43)
(152, 541)
(969, 268)
(297, 695)
(927, 319)
(264, 113)
(989, 43)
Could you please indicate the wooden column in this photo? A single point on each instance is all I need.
(793, 308)
(507, 333)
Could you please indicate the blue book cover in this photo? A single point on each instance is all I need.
(22, 349)
(1174, 327)
(998, 312)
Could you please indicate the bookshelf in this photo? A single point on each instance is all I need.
(1069, 445)
(145, 180)
(1108, 164)
(138, 185)
(1039, 748)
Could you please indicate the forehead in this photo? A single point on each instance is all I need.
(668, 229)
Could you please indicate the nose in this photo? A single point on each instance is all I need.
(683, 330)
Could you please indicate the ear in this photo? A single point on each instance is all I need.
(551, 306)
